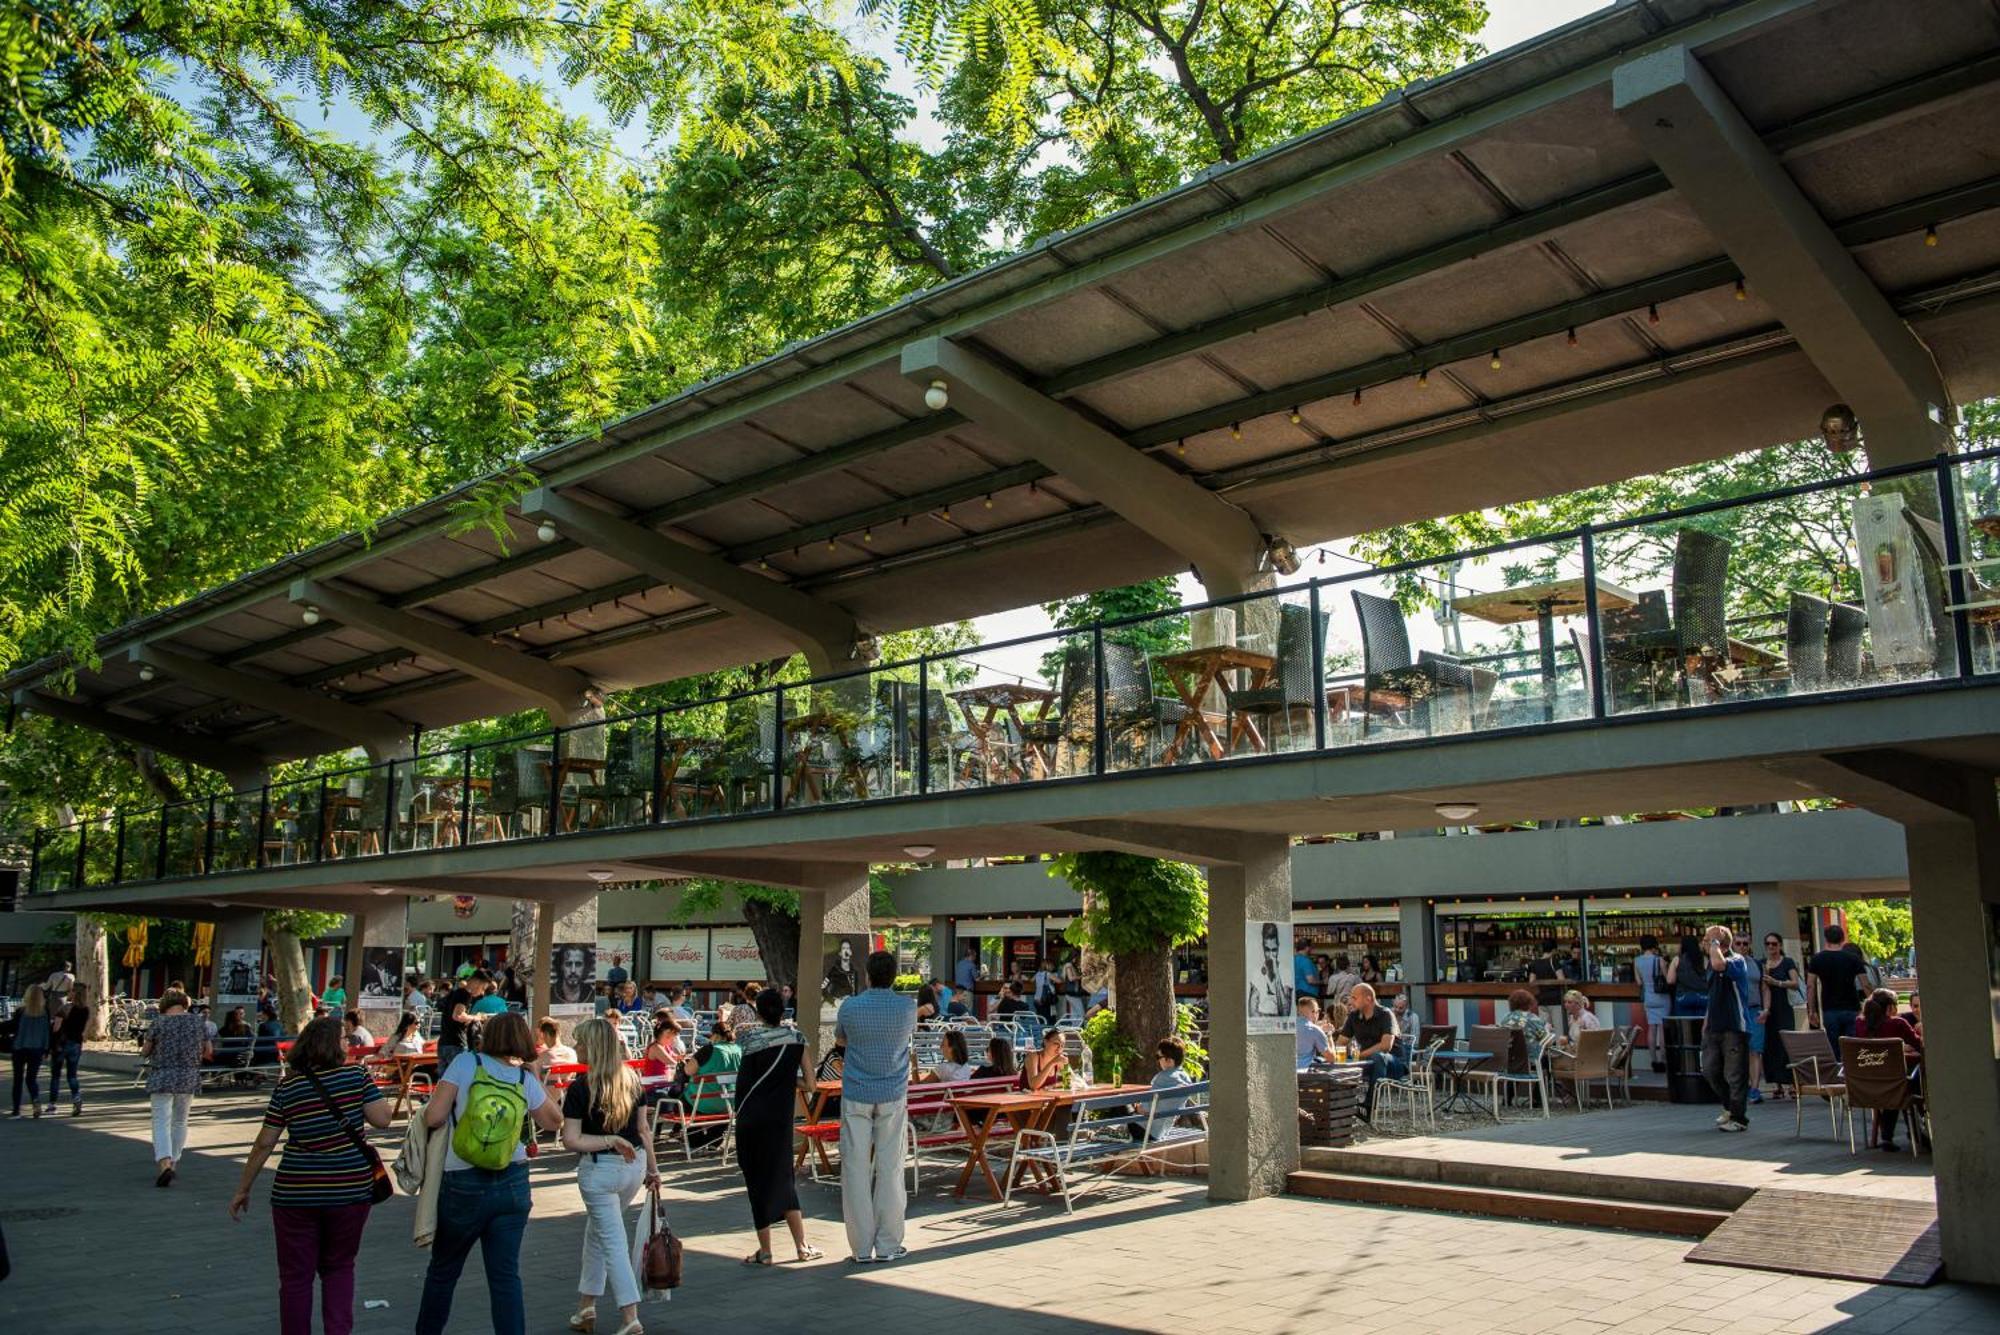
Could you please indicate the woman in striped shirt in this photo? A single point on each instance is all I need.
(320, 1196)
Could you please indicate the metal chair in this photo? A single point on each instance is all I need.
(1878, 1077)
(1290, 701)
(1815, 1074)
(1806, 640)
(1419, 1084)
(1846, 625)
(1406, 685)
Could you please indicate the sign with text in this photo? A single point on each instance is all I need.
(733, 953)
(680, 956)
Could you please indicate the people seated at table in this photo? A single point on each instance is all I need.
(956, 1063)
(1524, 1014)
(1169, 1055)
(1313, 1042)
(928, 1006)
(1332, 1016)
(1409, 1029)
(719, 1056)
(1916, 1015)
(1372, 1031)
(1013, 1001)
(357, 1033)
(234, 1025)
(1577, 1014)
(1048, 1066)
(1878, 1019)
(407, 1041)
(999, 1059)
(663, 1051)
(416, 994)
(550, 1050)
(626, 999)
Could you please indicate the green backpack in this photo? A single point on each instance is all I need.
(485, 1134)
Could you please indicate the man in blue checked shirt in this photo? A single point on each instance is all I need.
(875, 1027)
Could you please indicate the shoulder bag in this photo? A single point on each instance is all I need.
(660, 1256)
(380, 1188)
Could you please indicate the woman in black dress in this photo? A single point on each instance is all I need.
(1781, 975)
(767, 1093)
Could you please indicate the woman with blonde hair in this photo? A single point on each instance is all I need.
(607, 1125)
(32, 1038)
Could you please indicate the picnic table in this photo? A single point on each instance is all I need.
(985, 706)
(405, 1066)
(1543, 603)
(979, 1115)
(1193, 674)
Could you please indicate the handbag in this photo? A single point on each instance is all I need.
(380, 1187)
(660, 1257)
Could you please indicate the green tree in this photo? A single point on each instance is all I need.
(1136, 910)
(1155, 599)
(1881, 927)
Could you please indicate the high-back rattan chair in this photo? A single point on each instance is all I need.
(1393, 682)
(1701, 577)
(1806, 623)
(1289, 702)
(1591, 1061)
(1845, 627)
(1137, 717)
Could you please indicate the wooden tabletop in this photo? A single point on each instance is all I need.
(1221, 656)
(1004, 1101)
(1000, 694)
(1564, 597)
(1064, 1097)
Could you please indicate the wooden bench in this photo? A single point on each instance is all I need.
(1101, 1136)
(926, 1099)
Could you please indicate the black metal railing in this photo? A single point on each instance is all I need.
(1859, 583)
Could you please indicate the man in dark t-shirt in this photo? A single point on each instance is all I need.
(1373, 1031)
(1836, 994)
(454, 1029)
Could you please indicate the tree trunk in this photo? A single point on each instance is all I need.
(93, 969)
(288, 964)
(777, 934)
(521, 939)
(1145, 984)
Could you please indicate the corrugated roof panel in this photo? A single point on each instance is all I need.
(1398, 213)
(1057, 334)
(1551, 155)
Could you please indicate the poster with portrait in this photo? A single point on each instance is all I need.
(845, 966)
(237, 974)
(573, 979)
(382, 969)
(1268, 947)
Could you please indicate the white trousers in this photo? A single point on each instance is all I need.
(872, 1197)
(170, 1125)
(609, 1185)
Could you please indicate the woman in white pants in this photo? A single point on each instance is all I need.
(177, 1045)
(611, 1132)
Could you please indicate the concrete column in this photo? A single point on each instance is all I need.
(1774, 907)
(569, 919)
(235, 929)
(836, 906)
(1253, 1117)
(384, 924)
(1418, 924)
(1955, 896)
(943, 961)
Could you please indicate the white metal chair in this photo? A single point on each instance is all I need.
(1420, 1085)
(1535, 1077)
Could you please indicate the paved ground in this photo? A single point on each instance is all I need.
(1665, 1141)
(96, 1248)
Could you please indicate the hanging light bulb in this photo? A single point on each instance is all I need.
(1930, 235)
(546, 530)
(1236, 431)
(764, 564)
(1423, 379)
(1295, 417)
(938, 397)
(1571, 340)
(829, 544)
(1494, 363)
(1653, 313)
(145, 672)
(868, 535)
(945, 514)
(1357, 398)
(310, 615)
(1741, 293)
(1181, 448)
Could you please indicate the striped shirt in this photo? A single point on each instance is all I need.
(321, 1164)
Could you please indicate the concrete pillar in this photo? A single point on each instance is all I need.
(569, 919)
(1955, 897)
(1253, 1117)
(837, 905)
(236, 930)
(1417, 921)
(1774, 907)
(943, 961)
(385, 924)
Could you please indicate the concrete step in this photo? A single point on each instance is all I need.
(1502, 1203)
(1683, 1193)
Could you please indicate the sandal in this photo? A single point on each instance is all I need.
(811, 1253)
(758, 1258)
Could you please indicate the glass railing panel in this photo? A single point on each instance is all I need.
(1835, 589)
(1976, 494)
(851, 739)
(187, 838)
(998, 715)
(235, 839)
(699, 776)
(292, 831)
(100, 852)
(357, 813)
(607, 770)
(508, 795)
(141, 839)
(55, 860)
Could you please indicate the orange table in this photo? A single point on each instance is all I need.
(984, 706)
(407, 1065)
(1193, 673)
(978, 1114)
(815, 1114)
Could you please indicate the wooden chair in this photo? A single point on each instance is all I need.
(1878, 1077)
(1815, 1074)
(1591, 1061)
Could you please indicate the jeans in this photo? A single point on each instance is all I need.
(1381, 1066)
(476, 1205)
(1725, 1064)
(1839, 1025)
(445, 1056)
(320, 1241)
(872, 1199)
(28, 1064)
(608, 1184)
(170, 1125)
(66, 1056)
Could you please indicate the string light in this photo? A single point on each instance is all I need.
(1653, 313)
(1295, 417)
(1930, 235)
(764, 564)
(829, 544)
(1357, 398)
(1571, 340)
(1181, 448)
(989, 500)
(1236, 431)
(868, 535)
(1423, 379)
(945, 514)
(1741, 294)
(1495, 363)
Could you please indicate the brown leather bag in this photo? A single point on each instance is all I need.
(660, 1262)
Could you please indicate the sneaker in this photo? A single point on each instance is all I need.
(1723, 1118)
(896, 1255)
(1756, 1096)
(1733, 1126)
(76, 1109)
(37, 1109)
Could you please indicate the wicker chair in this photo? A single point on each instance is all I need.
(1591, 1061)
(1067, 733)
(1290, 702)
(1845, 627)
(1135, 716)
(1701, 577)
(1806, 628)
(1395, 683)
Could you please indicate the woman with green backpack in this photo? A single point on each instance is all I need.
(485, 1098)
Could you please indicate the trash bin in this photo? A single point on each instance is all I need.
(1685, 1083)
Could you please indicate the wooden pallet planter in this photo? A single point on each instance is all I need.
(1329, 1107)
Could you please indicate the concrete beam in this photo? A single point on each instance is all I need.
(562, 691)
(824, 633)
(1181, 843)
(1786, 251)
(1222, 541)
(242, 767)
(378, 733)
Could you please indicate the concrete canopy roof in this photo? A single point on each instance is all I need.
(1505, 206)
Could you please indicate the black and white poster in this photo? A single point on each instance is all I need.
(382, 973)
(1270, 1006)
(236, 977)
(846, 966)
(573, 981)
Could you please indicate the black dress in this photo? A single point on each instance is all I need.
(1776, 1064)
(767, 1096)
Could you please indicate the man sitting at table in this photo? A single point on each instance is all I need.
(1313, 1042)
(1013, 1000)
(1373, 1031)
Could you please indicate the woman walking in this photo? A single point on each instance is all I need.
(320, 1194)
(32, 1036)
(68, 1049)
(607, 1125)
(483, 1096)
(176, 1045)
(767, 1085)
